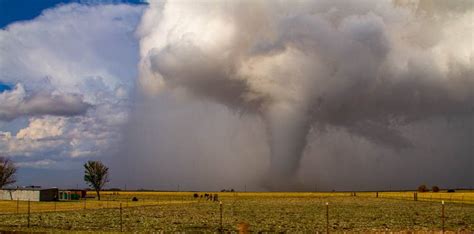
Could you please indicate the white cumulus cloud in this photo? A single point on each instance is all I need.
(73, 70)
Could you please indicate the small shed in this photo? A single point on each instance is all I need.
(31, 194)
(72, 194)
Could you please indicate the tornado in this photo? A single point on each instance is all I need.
(287, 128)
(362, 67)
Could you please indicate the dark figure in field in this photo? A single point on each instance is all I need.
(134, 199)
(216, 197)
(210, 197)
(196, 195)
(206, 196)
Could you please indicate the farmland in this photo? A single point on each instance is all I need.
(272, 212)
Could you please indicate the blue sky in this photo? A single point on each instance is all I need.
(17, 10)
(4, 87)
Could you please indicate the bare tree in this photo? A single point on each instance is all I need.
(96, 175)
(7, 172)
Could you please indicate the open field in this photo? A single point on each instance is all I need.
(179, 211)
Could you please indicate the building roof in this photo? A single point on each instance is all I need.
(26, 189)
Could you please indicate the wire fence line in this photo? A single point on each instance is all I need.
(114, 201)
(124, 214)
(463, 197)
(21, 207)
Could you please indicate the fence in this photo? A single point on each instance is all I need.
(21, 207)
(457, 197)
(118, 213)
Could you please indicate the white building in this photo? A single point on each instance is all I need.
(25, 194)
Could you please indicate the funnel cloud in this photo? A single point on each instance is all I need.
(375, 71)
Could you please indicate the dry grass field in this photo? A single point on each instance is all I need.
(262, 212)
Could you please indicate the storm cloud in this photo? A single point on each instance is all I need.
(360, 67)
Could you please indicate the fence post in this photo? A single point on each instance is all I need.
(376, 194)
(415, 196)
(220, 210)
(442, 215)
(327, 217)
(121, 223)
(28, 213)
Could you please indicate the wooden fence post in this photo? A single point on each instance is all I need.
(121, 220)
(442, 215)
(28, 213)
(327, 217)
(220, 209)
(376, 194)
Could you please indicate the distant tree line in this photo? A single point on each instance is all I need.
(423, 188)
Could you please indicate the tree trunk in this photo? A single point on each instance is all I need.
(98, 194)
